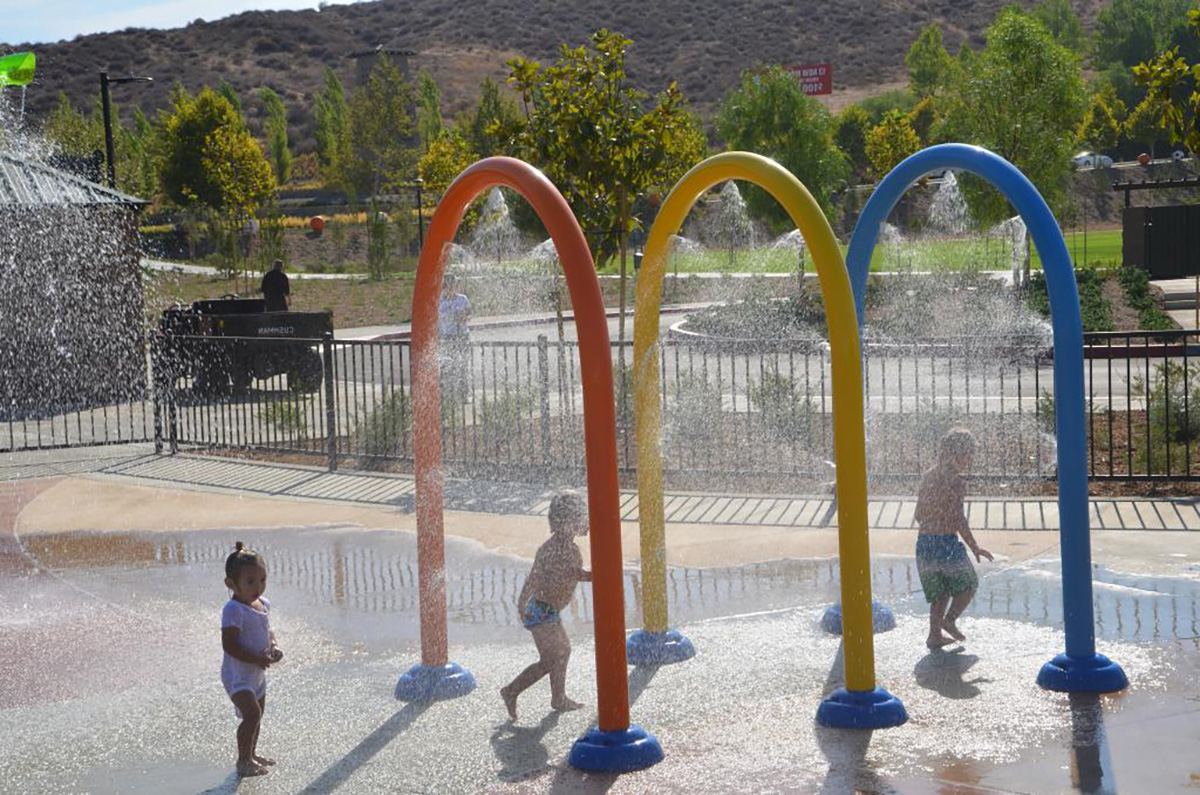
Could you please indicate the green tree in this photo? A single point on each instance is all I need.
(929, 65)
(900, 99)
(1062, 22)
(1173, 93)
(71, 131)
(490, 126)
(889, 142)
(1103, 123)
(925, 119)
(850, 135)
(376, 151)
(209, 158)
(1023, 97)
(330, 112)
(429, 109)
(445, 160)
(276, 130)
(226, 89)
(587, 128)
(769, 113)
(1144, 124)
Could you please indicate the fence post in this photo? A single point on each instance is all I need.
(156, 390)
(544, 378)
(330, 406)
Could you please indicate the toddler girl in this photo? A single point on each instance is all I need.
(250, 649)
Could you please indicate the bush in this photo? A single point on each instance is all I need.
(695, 411)
(507, 413)
(1173, 415)
(1094, 308)
(1136, 284)
(382, 432)
(784, 411)
(285, 416)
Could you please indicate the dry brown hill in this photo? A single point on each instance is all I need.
(703, 44)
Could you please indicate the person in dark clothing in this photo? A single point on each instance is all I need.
(275, 288)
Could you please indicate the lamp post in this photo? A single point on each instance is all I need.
(105, 81)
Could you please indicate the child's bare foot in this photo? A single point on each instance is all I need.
(953, 631)
(262, 760)
(566, 705)
(938, 641)
(510, 702)
(251, 768)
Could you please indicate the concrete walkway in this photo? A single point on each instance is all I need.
(351, 487)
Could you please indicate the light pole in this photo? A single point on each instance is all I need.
(105, 80)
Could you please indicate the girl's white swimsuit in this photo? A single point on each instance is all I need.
(254, 635)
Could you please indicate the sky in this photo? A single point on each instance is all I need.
(39, 21)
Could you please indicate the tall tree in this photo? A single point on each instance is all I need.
(769, 113)
(929, 65)
(446, 158)
(209, 158)
(1022, 97)
(1103, 123)
(226, 89)
(276, 129)
(589, 130)
(1173, 92)
(1062, 22)
(852, 126)
(376, 152)
(889, 142)
(329, 113)
(429, 109)
(490, 126)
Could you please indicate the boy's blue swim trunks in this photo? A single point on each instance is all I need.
(537, 613)
(943, 566)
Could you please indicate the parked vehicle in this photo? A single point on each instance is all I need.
(1091, 160)
(254, 352)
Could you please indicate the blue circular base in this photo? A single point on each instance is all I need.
(882, 618)
(617, 751)
(425, 683)
(1095, 674)
(861, 709)
(658, 648)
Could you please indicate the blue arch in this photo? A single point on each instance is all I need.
(1080, 668)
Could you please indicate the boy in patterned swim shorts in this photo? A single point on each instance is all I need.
(947, 576)
(557, 569)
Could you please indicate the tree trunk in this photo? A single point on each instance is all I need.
(622, 246)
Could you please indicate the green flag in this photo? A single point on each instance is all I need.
(16, 69)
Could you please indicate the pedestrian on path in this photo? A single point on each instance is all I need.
(276, 289)
(557, 567)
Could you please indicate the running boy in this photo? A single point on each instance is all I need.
(557, 567)
(947, 576)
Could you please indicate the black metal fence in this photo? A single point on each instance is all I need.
(762, 413)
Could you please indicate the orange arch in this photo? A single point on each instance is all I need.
(599, 421)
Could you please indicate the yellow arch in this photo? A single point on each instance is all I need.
(849, 441)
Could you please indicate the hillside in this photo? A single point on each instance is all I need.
(703, 44)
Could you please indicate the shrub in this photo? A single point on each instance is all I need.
(1173, 417)
(784, 411)
(382, 432)
(285, 416)
(1136, 284)
(1094, 308)
(694, 413)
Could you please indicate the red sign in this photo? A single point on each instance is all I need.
(815, 78)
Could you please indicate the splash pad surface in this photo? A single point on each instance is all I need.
(345, 602)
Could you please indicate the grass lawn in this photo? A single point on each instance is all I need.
(1103, 247)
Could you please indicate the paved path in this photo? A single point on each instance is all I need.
(362, 488)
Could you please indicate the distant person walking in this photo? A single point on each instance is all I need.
(454, 310)
(276, 289)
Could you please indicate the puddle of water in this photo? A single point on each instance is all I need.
(348, 577)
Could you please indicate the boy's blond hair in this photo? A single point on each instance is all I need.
(565, 506)
(958, 441)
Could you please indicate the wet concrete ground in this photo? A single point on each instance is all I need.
(109, 653)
